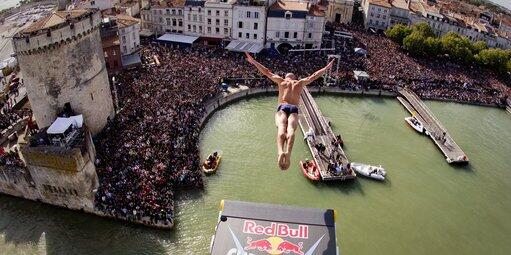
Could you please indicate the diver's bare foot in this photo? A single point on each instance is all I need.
(282, 160)
(287, 160)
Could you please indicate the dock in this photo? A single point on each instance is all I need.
(310, 117)
(435, 130)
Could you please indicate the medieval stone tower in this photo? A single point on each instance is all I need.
(62, 63)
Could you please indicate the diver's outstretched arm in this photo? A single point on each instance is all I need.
(317, 74)
(265, 71)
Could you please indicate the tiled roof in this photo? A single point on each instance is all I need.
(55, 19)
(126, 21)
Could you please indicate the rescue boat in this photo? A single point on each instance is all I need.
(310, 171)
(211, 168)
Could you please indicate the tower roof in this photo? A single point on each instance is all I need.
(55, 19)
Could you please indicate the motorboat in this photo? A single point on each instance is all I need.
(310, 170)
(415, 124)
(375, 172)
(212, 162)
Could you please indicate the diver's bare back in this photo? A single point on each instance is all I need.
(289, 91)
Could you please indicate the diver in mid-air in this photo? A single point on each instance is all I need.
(286, 117)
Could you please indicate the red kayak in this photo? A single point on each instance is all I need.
(310, 170)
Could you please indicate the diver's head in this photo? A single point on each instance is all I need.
(290, 76)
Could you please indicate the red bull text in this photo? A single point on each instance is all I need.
(276, 229)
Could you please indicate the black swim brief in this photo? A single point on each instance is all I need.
(288, 108)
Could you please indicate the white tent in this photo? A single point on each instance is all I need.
(60, 125)
(178, 38)
(360, 75)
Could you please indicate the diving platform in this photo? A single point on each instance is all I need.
(435, 130)
(311, 118)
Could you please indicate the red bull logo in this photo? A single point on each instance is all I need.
(274, 245)
(276, 229)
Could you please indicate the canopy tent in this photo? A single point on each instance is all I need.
(60, 125)
(360, 51)
(131, 61)
(184, 40)
(241, 46)
(360, 75)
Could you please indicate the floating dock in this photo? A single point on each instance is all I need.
(310, 117)
(253, 228)
(434, 128)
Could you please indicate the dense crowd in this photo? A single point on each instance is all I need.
(389, 67)
(151, 147)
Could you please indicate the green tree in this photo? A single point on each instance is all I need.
(398, 33)
(479, 46)
(509, 66)
(433, 47)
(415, 44)
(423, 29)
(458, 47)
(494, 58)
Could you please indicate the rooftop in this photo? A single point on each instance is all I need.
(289, 6)
(55, 19)
(126, 21)
(401, 4)
(110, 41)
(383, 3)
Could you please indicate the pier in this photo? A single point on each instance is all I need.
(434, 128)
(311, 118)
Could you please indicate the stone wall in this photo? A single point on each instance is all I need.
(67, 67)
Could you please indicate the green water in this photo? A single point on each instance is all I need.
(425, 207)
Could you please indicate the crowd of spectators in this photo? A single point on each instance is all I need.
(389, 68)
(151, 149)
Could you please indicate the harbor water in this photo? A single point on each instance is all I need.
(426, 206)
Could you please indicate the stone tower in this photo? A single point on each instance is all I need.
(62, 62)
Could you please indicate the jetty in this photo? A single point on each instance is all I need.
(434, 128)
(311, 118)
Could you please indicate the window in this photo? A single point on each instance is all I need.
(288, 15)
(189, 16)
(174, 23)
(168, 21)
(240, 24)
(286, 34)
(247, 35)
(226, 13)
(372, 14)
(209, 30)
(256, 15)
(248, 14)
(194, 28)
(255, 36)
(173, 11)
(124, 50)
(168, 11)
(217, 13)
(295, 35)
(200, 18)
(217, 30)
(226, 22)
(277, 34)
(209, 12)
(310, 35)
(240, 35)
(180, 23)
(91, 97)
(226, 31)
(200, 29)
(200, 9)
(195, 17)
(256, 26)
(123, 39)
(209, 21)
(189, 27)
(217, 22)
(180, 12)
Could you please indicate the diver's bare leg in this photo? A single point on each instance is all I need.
(292, 123)
(281, 122)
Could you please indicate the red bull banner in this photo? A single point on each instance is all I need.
(263, 233)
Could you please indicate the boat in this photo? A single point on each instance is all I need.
(212, 169)
(375, 172)
(415, 124)
(310, 171)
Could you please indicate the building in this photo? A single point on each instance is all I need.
(340, 11)
(218, 19)
(74, 73)
(99, 4)
(129, 34)
(376, 14)
(111, 45)
(194, 17)
(249, 21)
(294, 25)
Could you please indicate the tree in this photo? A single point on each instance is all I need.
(414, 43)
(433, 47)
(494, 58)
(479, 46)
(509, 66)
(457, 47)
(423, 29)
(398, 33)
